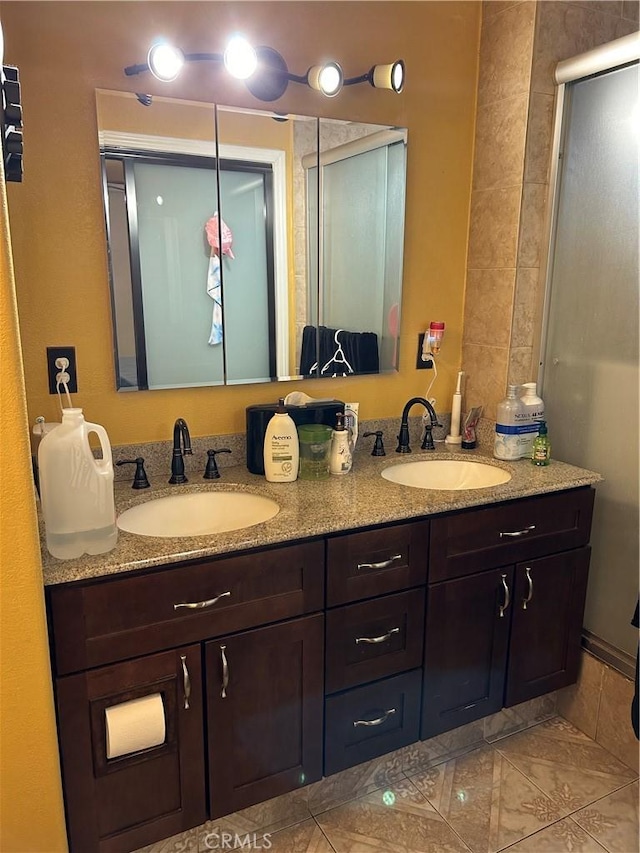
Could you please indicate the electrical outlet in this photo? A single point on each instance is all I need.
(423, 364)
(69, 353)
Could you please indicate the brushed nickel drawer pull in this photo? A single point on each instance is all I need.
(507, 596)
(377, 722)
(526, 600)
(186, 682)
(381, 639)
(225, 673)
(199, 605)
(383, 565)
(518, 532)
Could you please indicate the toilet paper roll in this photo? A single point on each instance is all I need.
(135, 725)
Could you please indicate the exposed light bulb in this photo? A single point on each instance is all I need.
(326, 78)
(165, 61)
(389, 76)
(240, 58)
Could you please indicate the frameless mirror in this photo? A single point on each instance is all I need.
(247, 246)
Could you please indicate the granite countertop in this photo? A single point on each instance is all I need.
(307, 509)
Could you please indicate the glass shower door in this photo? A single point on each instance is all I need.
(590, 363)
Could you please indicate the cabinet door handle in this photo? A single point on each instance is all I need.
(378, 722)
(381, 639)
(526, 530)
(526, 600)
(186, 682)
(507, 595)
(383, 565)
(199, 605)
(225, 673)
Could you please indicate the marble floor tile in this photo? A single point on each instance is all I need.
(486, 800)
(565, 764)
(365, 778)
(396, 820)
(565, 835)
(306, 837)
(613, 821)
(184, 842)
(508, 721)
(425, 753)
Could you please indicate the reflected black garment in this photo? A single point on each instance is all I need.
(360, 350)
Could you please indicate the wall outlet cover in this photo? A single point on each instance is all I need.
(62, 352)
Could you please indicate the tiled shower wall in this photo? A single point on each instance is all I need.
(521, 42)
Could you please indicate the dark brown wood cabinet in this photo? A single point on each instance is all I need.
(264, 712)
(430, 624)
(119, 804)
(499, 634)
(546, 624)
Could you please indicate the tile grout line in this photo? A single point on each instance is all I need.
(438, 812)
(324, 835)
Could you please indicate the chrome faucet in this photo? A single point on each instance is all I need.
(403, 437)
(181, 448)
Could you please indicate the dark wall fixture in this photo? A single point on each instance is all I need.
(11, 123)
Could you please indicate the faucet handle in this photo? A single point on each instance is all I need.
(378, 446)
(211, 471)
(140, 480)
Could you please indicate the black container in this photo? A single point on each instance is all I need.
(258, 418)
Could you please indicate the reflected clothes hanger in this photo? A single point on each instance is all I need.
(338, 358)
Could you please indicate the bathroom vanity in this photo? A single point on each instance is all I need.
(312, 642)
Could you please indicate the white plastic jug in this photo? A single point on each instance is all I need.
(76, 490)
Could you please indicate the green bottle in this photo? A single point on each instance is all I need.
(541, 450)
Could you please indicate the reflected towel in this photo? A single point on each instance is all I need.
(214, 289)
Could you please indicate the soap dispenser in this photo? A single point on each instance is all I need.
(340, 460)
(281, 447)
(541, 451)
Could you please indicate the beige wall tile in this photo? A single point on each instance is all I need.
(521, 368)
(492, 7)
(493, 230)
(614, 730)
(630, 9)
(488, 307)
(505, 53)
(565, 30)
(611, 7)
(580, 703)
(485, 369)
(500, 142)
(532, 220)
(524, 308)
(539, 137)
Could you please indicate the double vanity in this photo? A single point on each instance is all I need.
(361, 617)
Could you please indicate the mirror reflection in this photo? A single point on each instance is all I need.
(240, 252)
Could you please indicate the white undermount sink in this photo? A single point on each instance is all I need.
(197, 514)
(446, 474)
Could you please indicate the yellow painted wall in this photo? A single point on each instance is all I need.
(31, 816)
(67, 50)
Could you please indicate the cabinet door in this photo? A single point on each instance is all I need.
(548, 607)
(466, 649)
(264, 709)
(122, 803)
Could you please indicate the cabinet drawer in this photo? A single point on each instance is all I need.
(363, 565)
(374, 639)
(372, 720)
(111, 620)
(478, 539)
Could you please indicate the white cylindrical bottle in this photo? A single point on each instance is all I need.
(76, 489)
(533, 413)
(340, 459)
(281, 448)
(506, 444)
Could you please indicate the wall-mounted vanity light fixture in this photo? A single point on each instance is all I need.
(265, 71)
